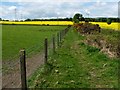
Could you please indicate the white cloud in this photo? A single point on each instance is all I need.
(47, 0)
(87, 11)
(61, 9)
(12, 7)
(58, 0)
(103, 3)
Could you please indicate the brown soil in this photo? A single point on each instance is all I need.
(104, 47)
(12, 79)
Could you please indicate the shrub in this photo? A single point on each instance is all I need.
(87, 27)
(109, 21)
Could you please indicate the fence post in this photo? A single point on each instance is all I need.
(58, 39)
(63, 32)
(53, 44)
(23, 69)
(60, 36)
(46, 50)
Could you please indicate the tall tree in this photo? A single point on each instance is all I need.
(77, 17)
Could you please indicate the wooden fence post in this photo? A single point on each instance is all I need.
(23, 69)
(60, 36)
(53, 44)
(46, 50)
(63, 33)
(58, 39)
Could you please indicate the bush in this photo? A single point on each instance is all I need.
(87, 27)
(109, 21)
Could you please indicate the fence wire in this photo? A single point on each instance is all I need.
(11, 73)
(35, 57)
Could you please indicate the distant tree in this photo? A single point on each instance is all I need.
(82, 19)
(70, 19)
(21, 20)
(86, 20)
(117, 19)
(77, 17)
(28, 19)
(0, 19)
(5, 20)
(109, 21)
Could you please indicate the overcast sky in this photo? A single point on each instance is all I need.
(57, 8)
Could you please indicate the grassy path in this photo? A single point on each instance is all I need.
(76, 65)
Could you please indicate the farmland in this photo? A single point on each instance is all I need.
(75, 64)
(40, 22)
(16, 37)
(57, 44)
(113, 25)
(102, 24)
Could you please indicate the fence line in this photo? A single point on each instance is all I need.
(22, 65)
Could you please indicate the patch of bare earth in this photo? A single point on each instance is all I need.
(12, 78)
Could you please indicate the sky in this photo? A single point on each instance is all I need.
(19, 9)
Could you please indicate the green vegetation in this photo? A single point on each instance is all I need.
(77, 17)
(77, 65)
(109, 21)
(107, 39)
(16, 37)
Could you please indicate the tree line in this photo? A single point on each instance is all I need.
(79, 17)
(101, 19)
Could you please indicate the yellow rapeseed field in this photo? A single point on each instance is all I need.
(113, 25)
(102, 24)
(40, 22)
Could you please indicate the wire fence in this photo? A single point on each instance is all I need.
(16, 71)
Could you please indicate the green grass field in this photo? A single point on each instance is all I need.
(16, 37)
(77, 65)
